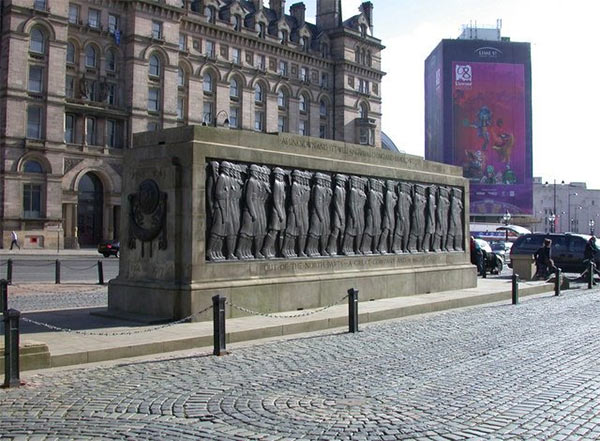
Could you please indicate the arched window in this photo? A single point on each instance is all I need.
(282, 36)
(36, 42)
(363, 111)
(237, 23)
(33, 167)
(70, 53)
(90, 56)
(154, 66)
(209, 13)
(282, 99)
(111, 61)
(258, 93)
(234, 90)
(180, 77)
(303, 103)
(208, 85)
(261, 30)
(323, 108)
(324, 50)
(304, 43)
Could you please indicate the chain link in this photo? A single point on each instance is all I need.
(282, 316)
(35, 265)
(118, 333)
(64, 265)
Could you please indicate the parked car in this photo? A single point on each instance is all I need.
(566, 249)
(109, 248)
(494, 262)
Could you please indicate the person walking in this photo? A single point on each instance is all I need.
(15, 240)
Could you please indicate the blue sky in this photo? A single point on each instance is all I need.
(564, 40)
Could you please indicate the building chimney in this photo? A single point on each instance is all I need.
(278, 6)
(298, 11)
(329, 14)
(367, 9)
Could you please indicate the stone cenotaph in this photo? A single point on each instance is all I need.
(282, 223)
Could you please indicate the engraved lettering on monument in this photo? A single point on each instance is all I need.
(147, 215)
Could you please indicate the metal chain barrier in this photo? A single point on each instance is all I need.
(35, 265)
(282, 316)
(118, 333)
(78, 269)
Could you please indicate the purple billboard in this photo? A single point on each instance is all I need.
(490, 137)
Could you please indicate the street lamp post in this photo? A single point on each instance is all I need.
(591, 223)
(569, 210)
(506, 219)
(553, 226)
(551, 220)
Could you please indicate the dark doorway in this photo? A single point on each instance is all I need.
(90, 203)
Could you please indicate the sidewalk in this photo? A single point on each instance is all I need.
(15, 253)
(115, 339)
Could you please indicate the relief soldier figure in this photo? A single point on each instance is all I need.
(339, 214)
(278, 216)
(417, 220)
(429, 218)
(319, 216)
(441, 220)
(212, 175)
(389, 218)
(297, 217)
(254, 217)
(455, 227)
(355, 225)
(403, 209)
(373, 225)
(222, 221)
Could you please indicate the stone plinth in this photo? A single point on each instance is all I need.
(175, 177)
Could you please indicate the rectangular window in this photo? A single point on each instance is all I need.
(182, 42)
(70, 87)
(259, 121)
(302, 128)
(364, 136)
(32, 201)
(325, 80)
(111, 133)
(69, 128)
(90, 135)
(261, 62)
(40, 5)
(34, 122)
(236, 55)
(208, 113)
(180, 107)
(36, 79)
(111, 94)
(233, 117)
(73, 14)
(283, 68)
(157, 30)
(210, 49)
(93, 18)
(323, 131)
(90, 90)
(304, 74)
(282, 124)
(153, 99)
(113, 23)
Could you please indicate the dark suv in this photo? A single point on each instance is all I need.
(109, 248)
(567, 249)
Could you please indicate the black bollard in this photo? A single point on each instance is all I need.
(57, 272)
(9, 264)
(219, 325)
(515, 289)
(353, 310)
(591, 274)
(3, 296)
(557, 282)
(11, 348)
(100, 273)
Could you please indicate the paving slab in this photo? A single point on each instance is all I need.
(93, 338)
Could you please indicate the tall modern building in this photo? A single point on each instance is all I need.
(478, 116)
(78, 78)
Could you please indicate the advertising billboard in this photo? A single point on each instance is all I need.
(490, 135)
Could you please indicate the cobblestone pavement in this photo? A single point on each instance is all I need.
(27, 297)
(503, 372)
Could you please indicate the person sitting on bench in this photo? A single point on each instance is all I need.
(543, 261)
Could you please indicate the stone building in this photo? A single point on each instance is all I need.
(78, 78)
